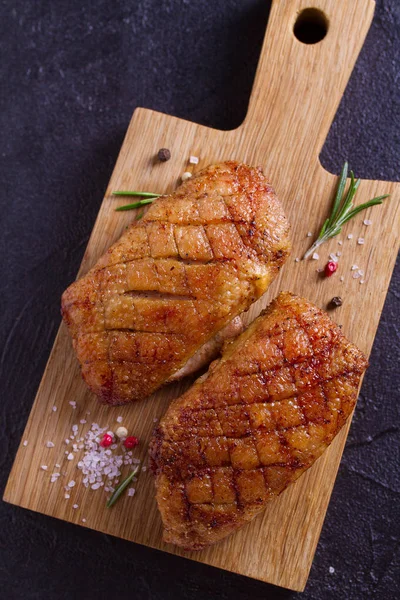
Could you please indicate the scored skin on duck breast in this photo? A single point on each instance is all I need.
(198, 258)
(254, 423)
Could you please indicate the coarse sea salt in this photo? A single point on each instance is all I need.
(72, 403)
(315, 256)
(131, 491)
(101, 467)
(309, 234)
(360, 241)
(333, 257)
(194, 160)
(44, 467)
(367, 222)
(331, 570)
(70, 456)
(350, 236)
(75, 506)
(54, 409)
(354, 268)
(49, 445)
(119, 419)
(25, 443)
(296, 260)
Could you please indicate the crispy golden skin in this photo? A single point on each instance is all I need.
(174, 280)
(254, 423)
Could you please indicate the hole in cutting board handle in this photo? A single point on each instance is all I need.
(311, 26)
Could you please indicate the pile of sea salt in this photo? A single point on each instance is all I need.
(101, 467)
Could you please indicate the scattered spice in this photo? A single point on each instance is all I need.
(342, 209)
(121, 432)
(330, 268)
(335, 302)
(131, 442)
(106, 441)
(164, 154)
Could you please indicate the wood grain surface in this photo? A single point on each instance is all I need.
(296, 93)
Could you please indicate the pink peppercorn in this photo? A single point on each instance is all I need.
(330, 268)
(106, 441)
(131, 442)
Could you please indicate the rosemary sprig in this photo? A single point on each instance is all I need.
(342, 209)
(149, 197)
(121, 488)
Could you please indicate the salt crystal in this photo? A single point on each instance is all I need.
(83, 421)
(361, 272)
(54, 409)
(309, 234)
(57, 466)
(83, 520)
(75, 429)
(66, 496)
(49, 445)
(72, 403)
(350, 236)
(367, 222)
(360, 241)
(362, 281)
(67, 441)
(331, 570)
(155, 420)
(131, 491)
(119, 419)
(75, 506)
(315, 256)
(342, 278)
(25, 443)
(340, 243)
(95, 486)
(333, 257)
(44, 467)
(70, 456)
(356, 275)
(194, 160)
(354, 268)
(144, 469)
(71, 483)
(296, 260)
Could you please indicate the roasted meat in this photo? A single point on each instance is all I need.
(174, 280)
(254, 423)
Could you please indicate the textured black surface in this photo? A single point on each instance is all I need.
(71, 75)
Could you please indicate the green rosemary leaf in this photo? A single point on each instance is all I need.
(139, 216)
(339, 193)
(135, 205)
(129, 193)
(373, 202)
(121, 488)
(324, 226)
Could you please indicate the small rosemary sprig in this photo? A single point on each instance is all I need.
(121, 488)
(342, 209)
(149, 197)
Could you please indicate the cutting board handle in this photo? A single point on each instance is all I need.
(298, 86)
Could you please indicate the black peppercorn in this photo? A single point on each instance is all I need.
(164, 154)
(335, 302)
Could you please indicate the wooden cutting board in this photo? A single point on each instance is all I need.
(296, 93)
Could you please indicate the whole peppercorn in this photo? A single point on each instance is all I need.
(330, 268)
(131, 442)
(164, 154)
(106, 440)
(335, 302)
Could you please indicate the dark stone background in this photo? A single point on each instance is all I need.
(72, 73)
